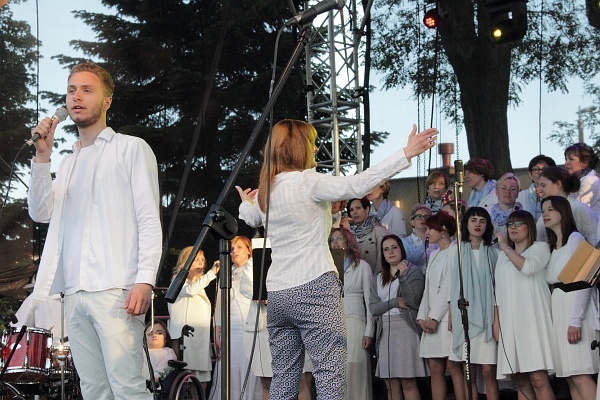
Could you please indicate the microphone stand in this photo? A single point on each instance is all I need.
(462, 302)
(221, 224)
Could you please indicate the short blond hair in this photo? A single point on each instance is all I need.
(101, 73)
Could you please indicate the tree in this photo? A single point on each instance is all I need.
(567, 132)
(489, 76)
(17, 56)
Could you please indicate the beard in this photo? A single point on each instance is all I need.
(91, 120)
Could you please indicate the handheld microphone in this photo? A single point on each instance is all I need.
(310, 14)
(494, 241)
(61, 114)
(446, 196)
(426, 243)
(459, 173)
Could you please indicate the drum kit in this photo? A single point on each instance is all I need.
(31, 366)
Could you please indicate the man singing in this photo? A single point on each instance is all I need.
(104, 242)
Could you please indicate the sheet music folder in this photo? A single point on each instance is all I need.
(257, 255)
(582, 270)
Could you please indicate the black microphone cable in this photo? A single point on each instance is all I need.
(266, 224)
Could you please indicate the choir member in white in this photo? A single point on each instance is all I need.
(436, 342)
(573, 313)
(523, 307)
(360, 329)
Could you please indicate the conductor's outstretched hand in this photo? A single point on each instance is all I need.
(419, 142)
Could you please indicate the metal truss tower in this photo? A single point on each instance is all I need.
(333, 95)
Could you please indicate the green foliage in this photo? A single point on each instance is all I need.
(160, 54)
(8, 307)
(567, 133)
(559, 33)
(460, 65)
(17, 56)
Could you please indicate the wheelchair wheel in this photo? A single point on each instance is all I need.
(186, 386)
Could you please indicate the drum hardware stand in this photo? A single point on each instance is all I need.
(462, 302)
(61, 348)
(7, 362)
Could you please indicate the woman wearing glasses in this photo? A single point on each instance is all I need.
(556, 181)
(528, 197)
(573, 313)
(417, 251)
(523, 307)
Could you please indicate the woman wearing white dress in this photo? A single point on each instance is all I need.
(241, 297)
(556, 181)
(523, 306)
(572, 312)
(396, 293)
(193, 308)
(478, 263)
(436, 342)
(359, 322)
(581, 162)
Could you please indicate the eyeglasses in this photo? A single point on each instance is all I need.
(152, 333)
(516, 224)
(419, 216)
(536, 170)
(336, 238)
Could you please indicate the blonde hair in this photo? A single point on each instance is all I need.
(183, 256)
(506, 177)
(101, 73)
(247, 242)
(292, 145)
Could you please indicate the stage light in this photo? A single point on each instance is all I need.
(431, 18)
(592, 9)
(508, 20)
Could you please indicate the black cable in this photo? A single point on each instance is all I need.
(435, 75)
(500, 326)
(150, 369)
(12, 174)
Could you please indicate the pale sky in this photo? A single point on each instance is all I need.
(391, 111)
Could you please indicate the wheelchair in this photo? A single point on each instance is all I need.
(179, 384)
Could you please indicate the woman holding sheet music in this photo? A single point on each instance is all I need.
(573, 313)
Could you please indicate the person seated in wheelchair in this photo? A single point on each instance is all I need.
(159, 341)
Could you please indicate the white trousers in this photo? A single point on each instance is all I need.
(106, 344)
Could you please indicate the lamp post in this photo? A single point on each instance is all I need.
(580, 124)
